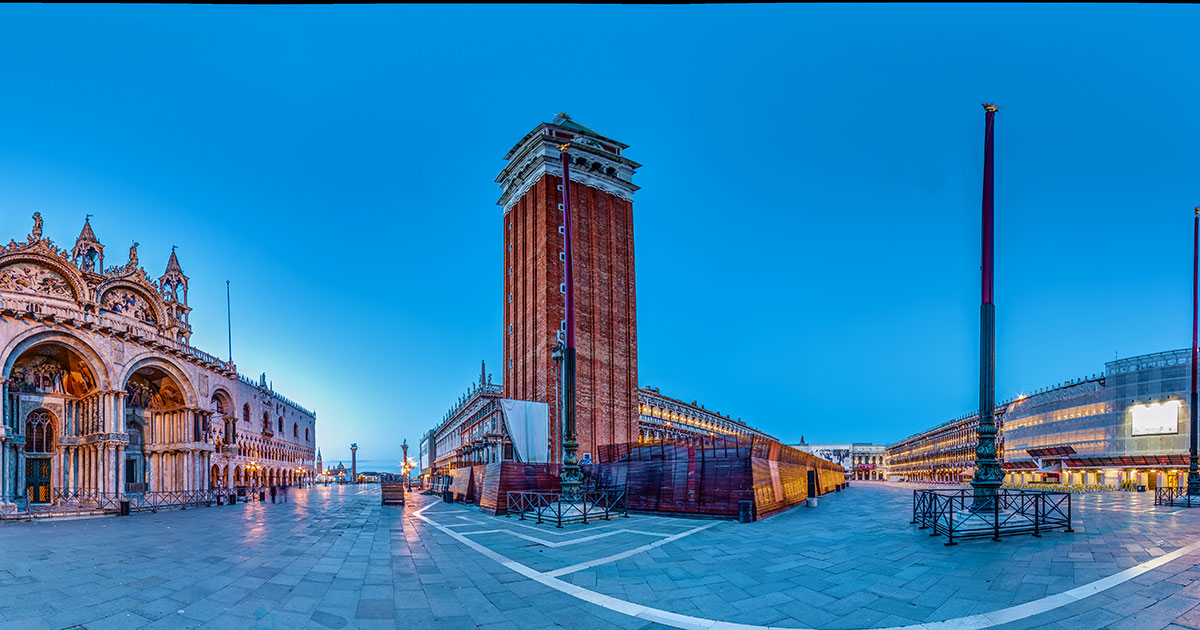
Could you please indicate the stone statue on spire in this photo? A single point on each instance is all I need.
(133, 259)
(37, 226)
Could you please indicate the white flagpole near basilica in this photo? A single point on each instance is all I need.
(229, 321)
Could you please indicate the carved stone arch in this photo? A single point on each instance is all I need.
(69, 272)
(167, 364)
(162, 317)
(219, 391)
(101, 368)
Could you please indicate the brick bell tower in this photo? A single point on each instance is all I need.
(605, 304)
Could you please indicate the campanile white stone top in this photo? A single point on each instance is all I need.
(596, 161)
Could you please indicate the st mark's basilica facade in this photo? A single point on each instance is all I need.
(104, 397)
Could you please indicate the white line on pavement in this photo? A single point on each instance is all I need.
(688, 622)
(625, 554)
(561, 543)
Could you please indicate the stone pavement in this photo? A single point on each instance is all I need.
(334, 558)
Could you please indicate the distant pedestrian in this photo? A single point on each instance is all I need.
(273, 491)
(585, 467)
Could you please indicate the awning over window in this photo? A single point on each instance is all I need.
(1054, 468)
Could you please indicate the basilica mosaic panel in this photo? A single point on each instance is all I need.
(142, 392)
(51, 374)
(24, 277)
(128, 303)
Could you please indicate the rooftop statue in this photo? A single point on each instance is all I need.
(37, 226)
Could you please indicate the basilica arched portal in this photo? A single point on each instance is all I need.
(104, 399)
(54, 395)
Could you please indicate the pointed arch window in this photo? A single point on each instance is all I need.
(39, 432)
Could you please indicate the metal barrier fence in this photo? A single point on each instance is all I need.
(1176, 497)
(155, 501)
(67, 500)
(81, 498)
(957, 514)
(549, 505)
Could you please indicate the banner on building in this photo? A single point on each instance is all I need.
(528, 424)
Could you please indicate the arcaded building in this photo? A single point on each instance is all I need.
(1126, 426)
(862, 461)
(105, 398)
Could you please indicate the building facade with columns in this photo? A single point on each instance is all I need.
(862, 461)
(104, 397)
(661, 417)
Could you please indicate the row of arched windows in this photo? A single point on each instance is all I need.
(219, 406)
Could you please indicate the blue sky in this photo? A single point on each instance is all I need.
(806, 233)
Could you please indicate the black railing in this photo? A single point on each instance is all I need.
(550, 506)
(155, 501)
(64, 501)
(79, 498)
(1176, 497)
(958, 514)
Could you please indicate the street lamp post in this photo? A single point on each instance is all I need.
(988, 475)
(571, 477)
(1193, 478)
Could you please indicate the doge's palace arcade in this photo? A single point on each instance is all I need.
(104, 397)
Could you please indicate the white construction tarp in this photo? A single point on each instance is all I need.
(528, 425)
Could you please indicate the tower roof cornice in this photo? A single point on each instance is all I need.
(597, 161)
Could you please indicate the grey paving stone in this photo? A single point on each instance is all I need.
(853, 562)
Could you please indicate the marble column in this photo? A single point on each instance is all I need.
(119, 410)
(19, 466)
(120, 457)
(5, 478)
(106, 410)
(68, 472)
(102, 467)
(189, 473)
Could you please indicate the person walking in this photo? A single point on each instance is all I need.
(273, 491)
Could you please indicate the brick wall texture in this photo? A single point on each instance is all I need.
(605, 302)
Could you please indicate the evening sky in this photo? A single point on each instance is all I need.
(807, 229)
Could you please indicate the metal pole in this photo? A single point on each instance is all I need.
(1193, 487)
(229, 320)
(571, 477)
(988, 475)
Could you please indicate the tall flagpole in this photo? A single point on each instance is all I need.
(571, 477)
(229, 321)
(988, 475)
(1193, 478)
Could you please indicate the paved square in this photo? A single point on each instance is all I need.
(334, 558)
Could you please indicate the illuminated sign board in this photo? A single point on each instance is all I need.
(1156, 418)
